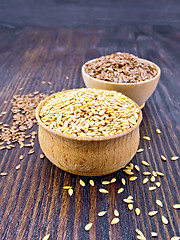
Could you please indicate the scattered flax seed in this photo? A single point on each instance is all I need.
(70, 191)
(106, 182)
(82, 183)
(120, 190)
(159, 203)
(145, 163)
(128, 171)
(11, 145)
(176, 206)
(141, 237)
(115, 221)
(31, 151)
(152, 213)
(163, 158)
(158, 184)
(46, 237)
(175, 238)
(2, 147)
(146, 173)
(24, 118)
(3, 174)
(164, 220)
(116, 213)
(67, 187)
(145, 180)
(102, 213)
(130, 206)
(21, 157)
(18, 167)
(131, 165)
(137, 211)
(137, 168)
(113, 180)
(174, 158)
(140, 150)
(132, 179)
(49, 83)
(123, 181)
(160, 174)
(91, 182)
(3, 113)
(102, 190)
(128, 167)
(88, 226)
(5, 102)
(154, 174)
(152, 179)
(158, 131)
(146, 138)
(126, 200)
(139, 232)
(154, 234)
(41, 156)
(43, 82)
(130, 197)
(152, 188)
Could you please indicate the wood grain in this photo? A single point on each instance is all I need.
(79, 13)
(32, 200)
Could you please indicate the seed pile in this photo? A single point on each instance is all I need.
(89, 112)
(120, 68)
(23, 109)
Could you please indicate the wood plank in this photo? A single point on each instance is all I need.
(32, 200)
(78, 13)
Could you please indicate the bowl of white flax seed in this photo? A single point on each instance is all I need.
(123, 72)
(89, 132)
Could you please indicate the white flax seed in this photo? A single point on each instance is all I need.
(102, 213)
(91, 182)
(88, 226)
(102, 190)
(164, 220)
(115, 221)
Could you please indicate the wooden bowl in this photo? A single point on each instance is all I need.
(139, 92)
(88, 156)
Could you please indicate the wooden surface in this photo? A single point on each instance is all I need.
(32, 201)
(80, 13)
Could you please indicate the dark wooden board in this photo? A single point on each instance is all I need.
(80, 13)
(32, 201)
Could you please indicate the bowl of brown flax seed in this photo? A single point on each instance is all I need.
(89, 132)
(123, 72)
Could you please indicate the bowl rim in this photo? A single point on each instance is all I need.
(123, 84)
(80, 138)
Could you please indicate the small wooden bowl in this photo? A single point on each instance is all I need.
(88, 156)
(139, 92)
